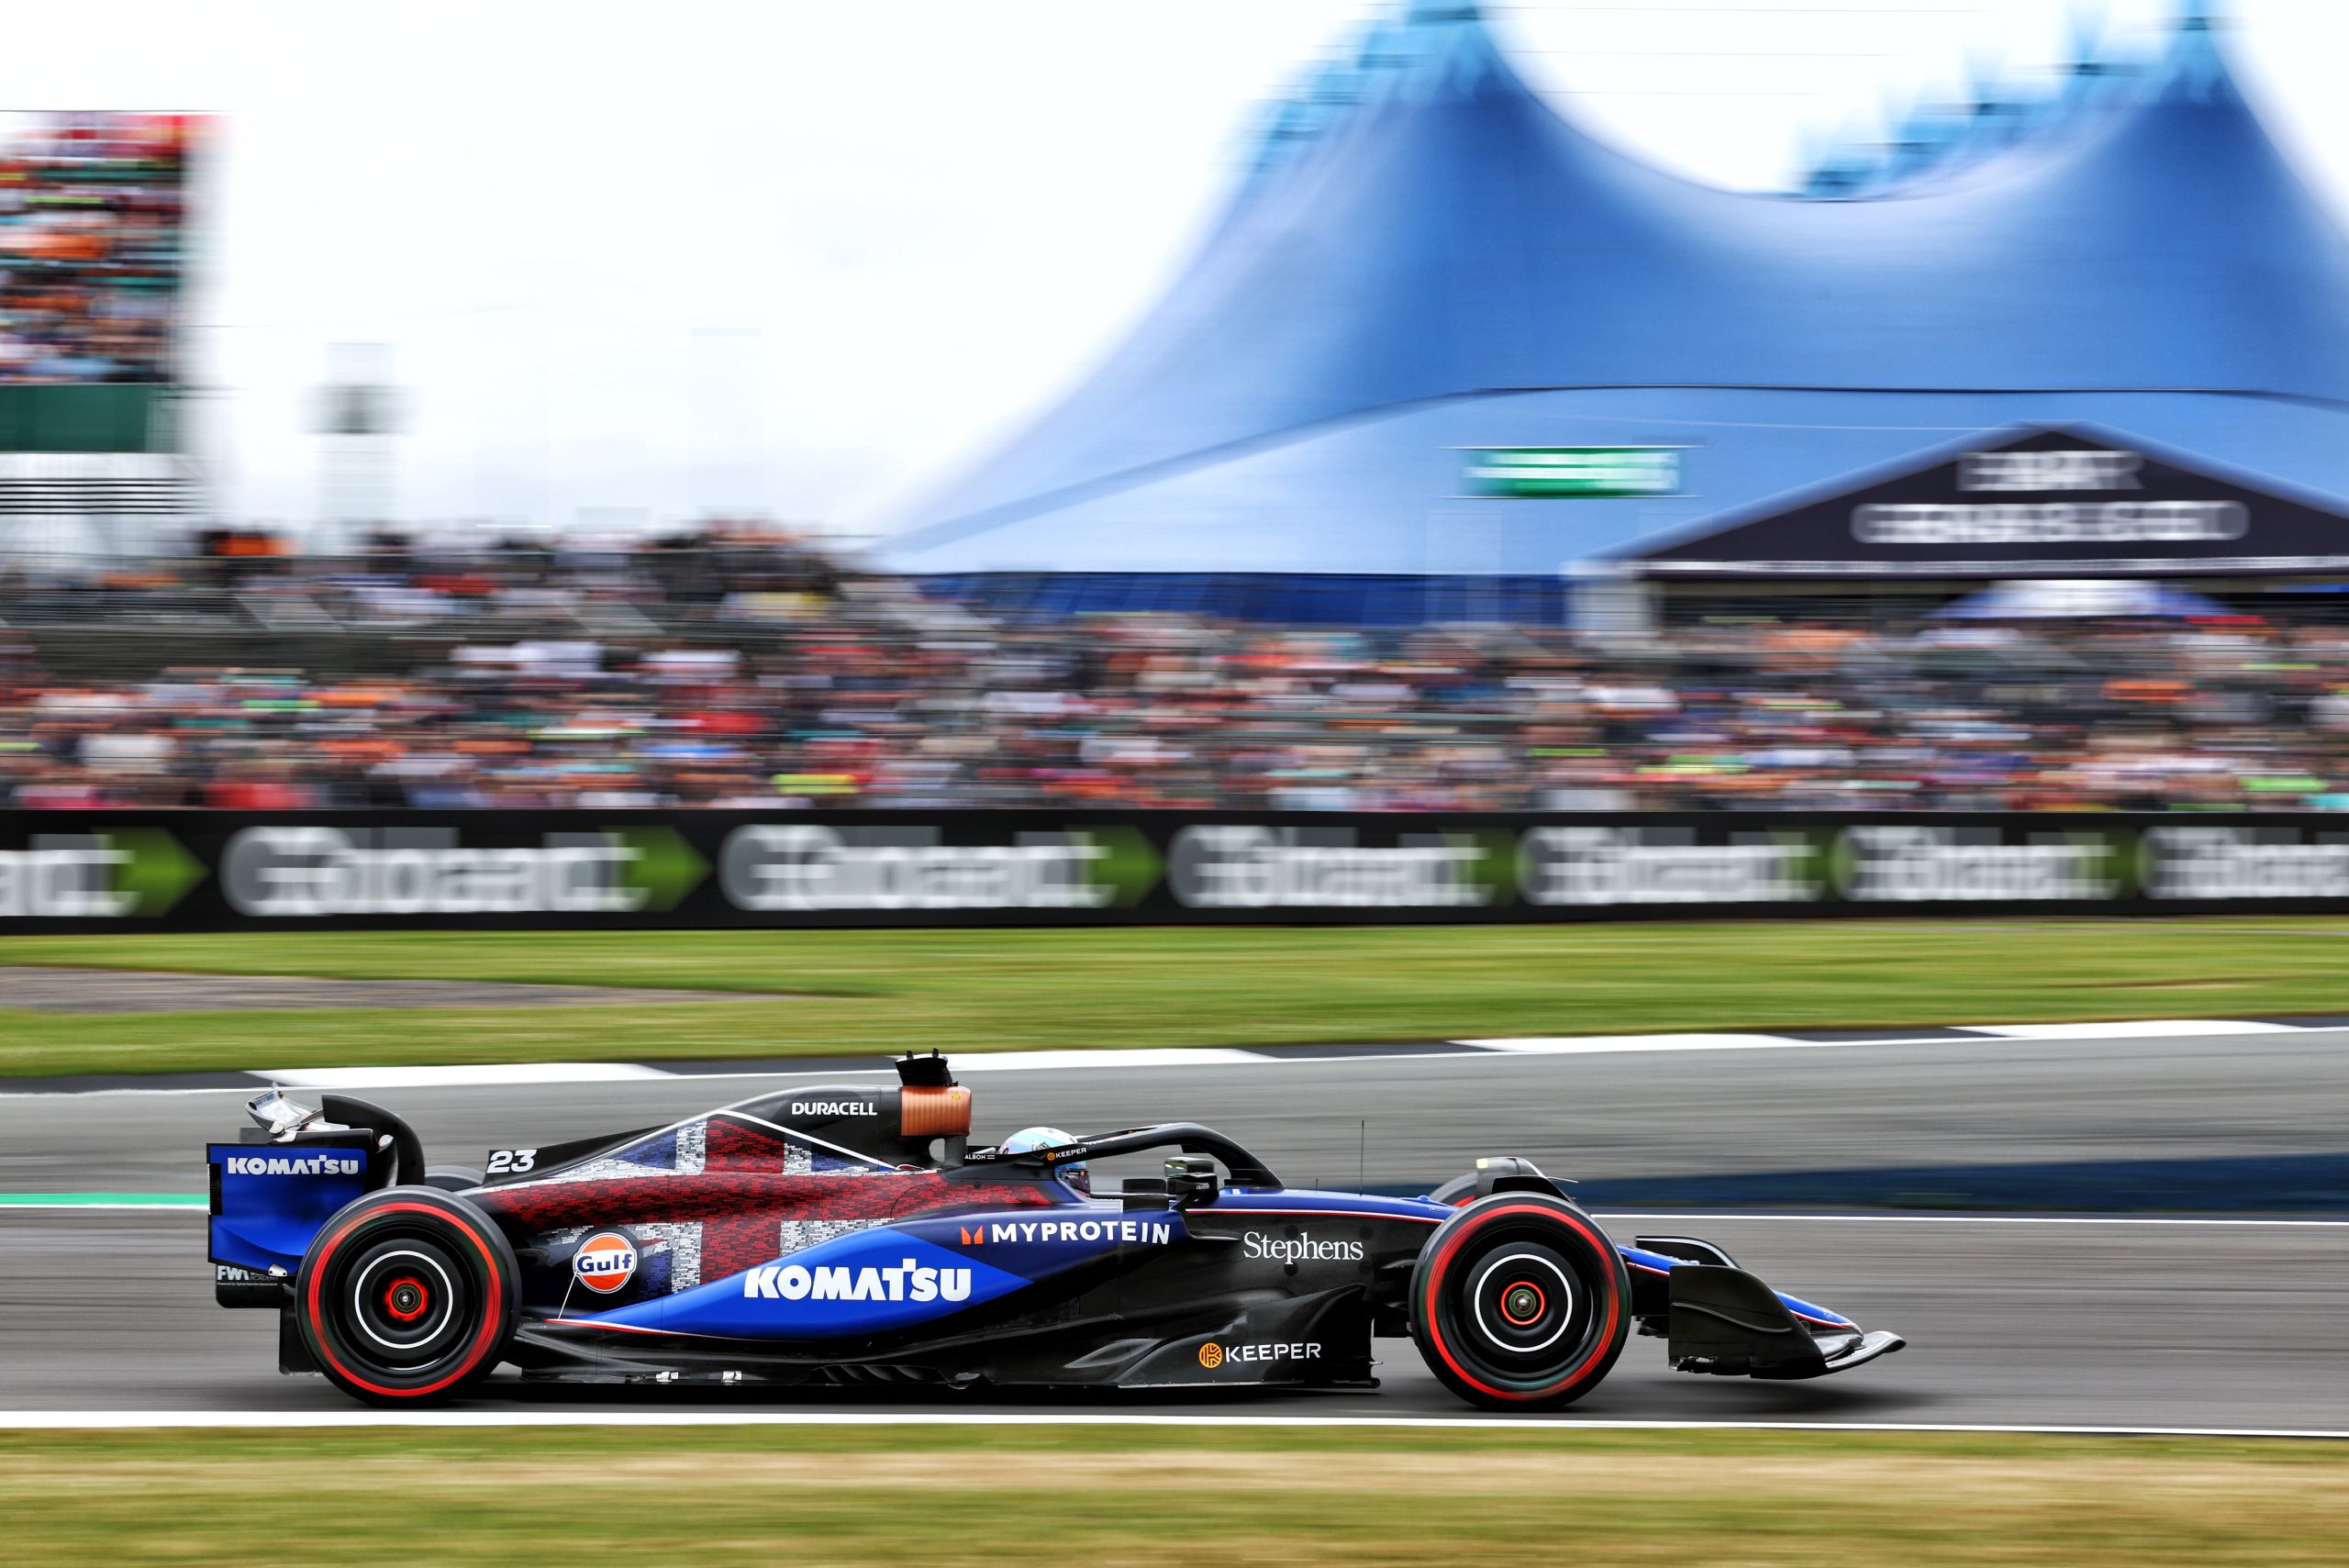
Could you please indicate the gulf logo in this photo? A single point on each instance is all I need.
(605, 1262)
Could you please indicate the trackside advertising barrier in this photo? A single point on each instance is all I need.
(214, 871)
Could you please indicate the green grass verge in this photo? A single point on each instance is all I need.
(1148, 1496)
(880, 991)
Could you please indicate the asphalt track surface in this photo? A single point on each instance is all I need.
(2012, 1320)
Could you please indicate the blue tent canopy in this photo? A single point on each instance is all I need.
(1437, 262)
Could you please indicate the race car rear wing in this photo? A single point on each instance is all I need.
(269, 1197)
(272, 1189)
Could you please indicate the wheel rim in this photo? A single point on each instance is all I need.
(1524, 1298)
(1520, 1307)
(400, 1304)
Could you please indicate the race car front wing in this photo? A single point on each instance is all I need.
(1725, 1321)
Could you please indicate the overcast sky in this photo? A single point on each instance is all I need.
(800, 259)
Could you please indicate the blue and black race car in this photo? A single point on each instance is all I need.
(853, 1235)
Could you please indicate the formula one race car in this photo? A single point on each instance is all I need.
(850, 1235)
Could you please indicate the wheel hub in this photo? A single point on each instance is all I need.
(407, 1300)
(1522, 1298)
(402, 1300)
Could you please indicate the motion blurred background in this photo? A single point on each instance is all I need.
(1420, 406)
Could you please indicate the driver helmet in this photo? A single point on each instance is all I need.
(1032, 1138)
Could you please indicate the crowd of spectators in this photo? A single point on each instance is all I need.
(91, 206)
(759, 675)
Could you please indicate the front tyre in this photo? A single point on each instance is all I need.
(407, 1296)
(1519, 1302)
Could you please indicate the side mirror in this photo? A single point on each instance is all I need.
(1191, 1178)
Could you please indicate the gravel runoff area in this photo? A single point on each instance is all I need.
(62, 990)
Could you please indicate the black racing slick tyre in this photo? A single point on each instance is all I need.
(408, 1297)
(1519, 1302)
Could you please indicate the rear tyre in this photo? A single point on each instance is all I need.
(1519, 1302)
(407, 1296)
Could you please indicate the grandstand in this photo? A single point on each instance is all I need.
(747, 671)
(93, 216)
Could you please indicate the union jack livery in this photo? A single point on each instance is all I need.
(852, 1234)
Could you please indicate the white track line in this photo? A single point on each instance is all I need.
(455, 1076)
(1610, 1044)
(60, 1095)
(1144, 1056)
(132, 1420)
(191, 1209)
(2149, 1028)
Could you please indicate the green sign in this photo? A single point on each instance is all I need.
(118, 418)
(1575, 472)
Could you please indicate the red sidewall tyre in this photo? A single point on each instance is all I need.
(408, 1297)
(1519, 1302)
